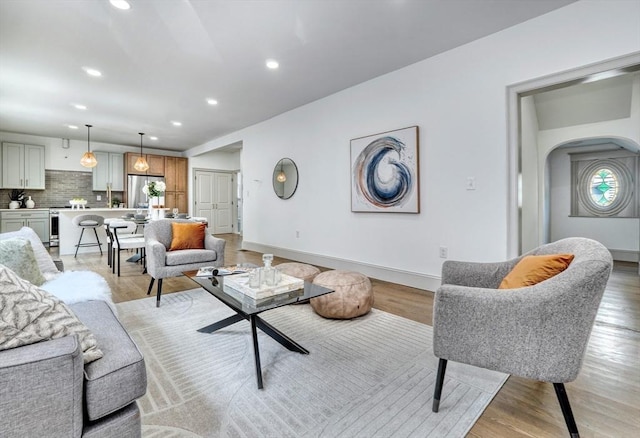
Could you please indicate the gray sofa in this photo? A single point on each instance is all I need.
(47, 391)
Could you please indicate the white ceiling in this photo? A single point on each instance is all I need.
(161, 59)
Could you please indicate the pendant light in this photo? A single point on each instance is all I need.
(141, 164)
(88, 159)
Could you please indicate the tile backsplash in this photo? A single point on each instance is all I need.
(61, 186)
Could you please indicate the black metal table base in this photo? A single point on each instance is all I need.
(257, 322)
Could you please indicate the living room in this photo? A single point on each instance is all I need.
(459, 101)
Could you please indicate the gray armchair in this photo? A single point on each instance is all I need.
(538, 332)
(162, 263)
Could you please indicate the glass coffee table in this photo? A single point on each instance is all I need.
(247, 308)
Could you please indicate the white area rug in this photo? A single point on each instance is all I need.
(368, 377)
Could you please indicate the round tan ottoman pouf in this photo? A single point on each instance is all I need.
(353, 295)
(299, 270)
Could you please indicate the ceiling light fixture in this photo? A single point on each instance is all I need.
(153, 138)
(88, 159)
(141, 164)
(272, 64)
(72, 127)
(176, 123)
(92, 71)
(120, 4)
(212, 101)
(79, 106)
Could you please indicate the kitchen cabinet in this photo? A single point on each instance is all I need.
(176, 200)
(176, 178)
(156, 164)
(38, 220)
(109, 171)
(22, 166)
(175, 173)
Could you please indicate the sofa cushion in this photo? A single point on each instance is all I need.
(533, 269)
(29, 314)
(189, 256)
(118, 378)
(46, 264)
(17, 254)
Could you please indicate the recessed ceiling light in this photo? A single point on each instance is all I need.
(212, 101)
(72, 126)
(79, 106)
(120, 4)
(176, 123)
(92, 71)
(153, 138)
(272, 64)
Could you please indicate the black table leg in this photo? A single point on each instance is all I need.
(222, 324)
(256, 350)
(284, 340)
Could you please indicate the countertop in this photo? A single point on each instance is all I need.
(92, 209)
(20, 210)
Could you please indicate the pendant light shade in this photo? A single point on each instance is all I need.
(141, 164)
(281, 177)
(88, 159)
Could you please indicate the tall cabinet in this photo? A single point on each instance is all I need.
(176, 178)
(22, 166)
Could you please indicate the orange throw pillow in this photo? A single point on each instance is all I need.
(187, 236)
(534, 269)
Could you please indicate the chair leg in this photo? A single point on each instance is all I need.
(561, 393)
(150, 285)
(159, 292)
(118, 262)
(78, 245)
(98, 240)
(442, 367)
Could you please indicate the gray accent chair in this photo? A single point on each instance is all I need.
(162, 263)
(539, 332)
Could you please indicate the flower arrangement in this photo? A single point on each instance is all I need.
(154, 188)
(16, 195)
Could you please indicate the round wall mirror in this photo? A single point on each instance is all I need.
(285, 178)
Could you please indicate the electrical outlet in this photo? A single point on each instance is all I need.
(98, 198)
(444, 252)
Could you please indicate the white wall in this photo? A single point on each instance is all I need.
(620, 235)
(458, 99)
(529, 199)
(216, 161)
(58, 158)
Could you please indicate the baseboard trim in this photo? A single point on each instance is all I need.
(406, 278)
(624, 255)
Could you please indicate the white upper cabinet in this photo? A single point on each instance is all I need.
(22, 166)
(109, 171)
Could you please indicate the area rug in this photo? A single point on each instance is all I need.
(368, 377)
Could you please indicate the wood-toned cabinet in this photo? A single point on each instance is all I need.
(22, 166)
(109, 171)
(156, 164)
(176, 178)
(177, 200)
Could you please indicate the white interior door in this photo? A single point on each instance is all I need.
(204, 196)
(214, 191)
(223, 203)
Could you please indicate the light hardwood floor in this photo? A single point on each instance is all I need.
(605, 398)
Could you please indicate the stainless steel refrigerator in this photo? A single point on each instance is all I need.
(136, 198)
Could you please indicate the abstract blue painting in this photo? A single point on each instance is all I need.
(384, 172)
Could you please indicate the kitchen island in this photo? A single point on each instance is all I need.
(69, 233)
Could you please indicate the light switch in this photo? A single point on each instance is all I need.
(471, 183)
